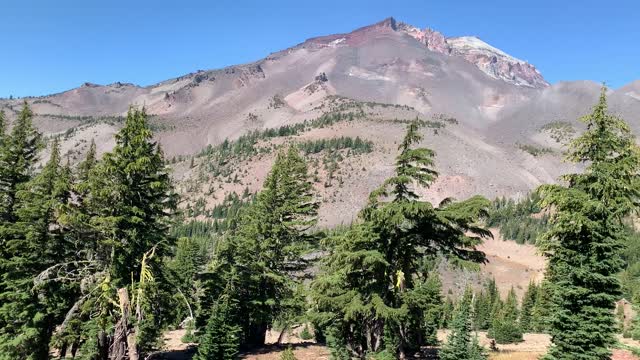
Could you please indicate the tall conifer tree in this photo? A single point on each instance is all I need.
(22, 323)
(505, 328)
(265, 250)
(132, 195)
(583, 245)
(461, 343)
(38, 243)
(528, 304)
(125, 204)
(18, 155)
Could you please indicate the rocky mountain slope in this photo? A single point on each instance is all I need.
(496, 124)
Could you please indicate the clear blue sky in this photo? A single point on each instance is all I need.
(53, 45)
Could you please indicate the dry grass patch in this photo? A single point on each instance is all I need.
(515, 355)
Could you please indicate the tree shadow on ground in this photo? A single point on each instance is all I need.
(266, 349)
(186, 354)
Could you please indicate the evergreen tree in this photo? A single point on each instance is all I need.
(25, 327)
(120, 222)
(266, 249)
(78, 213)
(461, 344)
(540, 313)
(528, 304)
(479, 301)
(476, 352)
(505, 328)
(189, 260)
(496, 313)
(368, 287)
(483, 305)
(428, 297)
(90, 161)
(491, 289)
(583, 245)
(220, 340)
(447, 314)
(18, 154)
(132, 195)
(17, 158)
(38, 243)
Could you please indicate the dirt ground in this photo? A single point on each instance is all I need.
(511, 264)
(300, 350)
(175, 349)
(533, 343)
(533, 346)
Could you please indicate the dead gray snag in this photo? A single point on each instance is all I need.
(125, 334)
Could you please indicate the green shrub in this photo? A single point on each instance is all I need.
(506, 332)
(189, 336)
(535, 150)
(560, 131)
(220, 339)
(305, 334)
(288, 355)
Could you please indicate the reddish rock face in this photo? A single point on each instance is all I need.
(435, 41)
(490, 60)
(352, 38)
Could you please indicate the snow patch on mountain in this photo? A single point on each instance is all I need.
(471, 43)
(633, 94)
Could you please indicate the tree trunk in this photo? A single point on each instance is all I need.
(74, 349)
(378, 334)
(62, 352)
(103, 346)
(118, 349)
(369, 336)
(124, 345)
(125, 307)
(281, 336)
(401, 347)
(257, 335)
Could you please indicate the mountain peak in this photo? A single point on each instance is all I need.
(389, 22)
(489, 59)
(383, 25)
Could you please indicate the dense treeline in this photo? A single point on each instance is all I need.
(245, 145)
(215, 160)
(522, 221)
(357, 145)
(96, 262)
(194, 228)
(228, 208)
